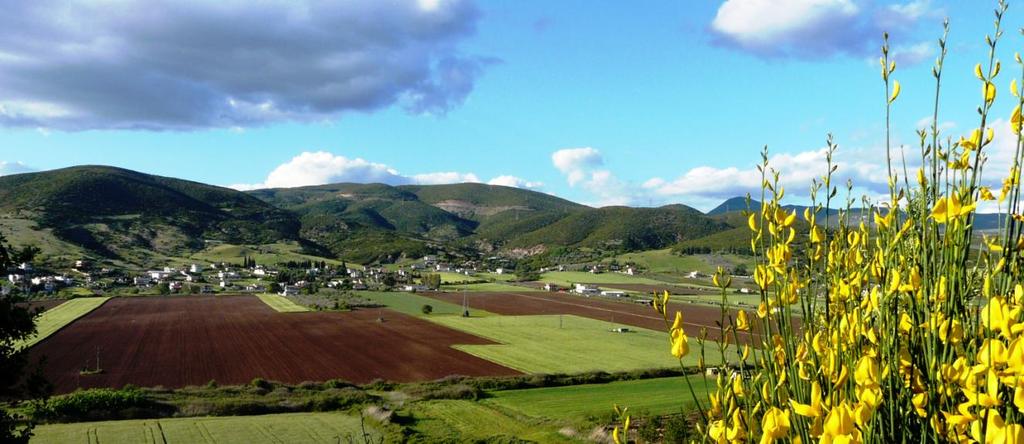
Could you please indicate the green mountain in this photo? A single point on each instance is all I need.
(406, 220)
(121, 214)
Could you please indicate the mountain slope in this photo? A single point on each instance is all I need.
(116, 213)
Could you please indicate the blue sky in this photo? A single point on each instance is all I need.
(603, 104)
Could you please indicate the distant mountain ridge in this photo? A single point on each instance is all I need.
(130, 216)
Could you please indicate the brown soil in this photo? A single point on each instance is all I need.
(180, 341)
(624, 312)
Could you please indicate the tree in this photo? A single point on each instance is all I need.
(163, 288)
(427, 309)
(17, 322)
(432, 281)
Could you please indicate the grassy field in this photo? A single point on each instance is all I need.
(660, 396)
(412, 304)
(450, 278)
(287, 427)
(565, 278)
(663, 261)
(565, 344)
(746, 301)
(57, 317)
(488, 286)
(267, 254)
(468, 421)
(281, 303)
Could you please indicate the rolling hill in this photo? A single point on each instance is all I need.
(120, 214)
(141, 219)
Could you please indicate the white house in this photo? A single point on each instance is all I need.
(142, 281)
(415, 288)
(614, 294)
(195, 268)
(499, 271)
(289, 290)
(586, 289)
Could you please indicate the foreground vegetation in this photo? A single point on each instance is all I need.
(909, 332)
(288, 427)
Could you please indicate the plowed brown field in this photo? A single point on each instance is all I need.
(629, 313)
(179, 341)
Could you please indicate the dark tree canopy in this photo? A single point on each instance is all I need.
(17, 322)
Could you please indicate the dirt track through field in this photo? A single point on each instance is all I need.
(628, 313)
(179, 341)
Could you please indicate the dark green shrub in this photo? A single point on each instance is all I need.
(677, 429)
(97, 404)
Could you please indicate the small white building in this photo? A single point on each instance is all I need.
(289, 290)
(614, 294)
(142, 281)
(586, 289)
(500, 271)
(415, 288)
(195, 268)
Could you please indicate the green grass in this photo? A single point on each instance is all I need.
(57, 317)
(281, 303)
(488, 286)
(450, 278)
(412, 304)
(468, 421)
(746, 301)
(285, 427)
(664, 261)
(660, 396)
(546, 344)
(566, 278)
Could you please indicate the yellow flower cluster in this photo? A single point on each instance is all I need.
(883, 324)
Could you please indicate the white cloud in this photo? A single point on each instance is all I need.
(517, 182)
(321, 167)
(575, 162)
(8, 168)
(707, 184)
(814, 28)
(444, 177)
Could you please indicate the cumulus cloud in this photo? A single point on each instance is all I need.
(321, 167)
(814, 28)
(8, 168)
(575, 162)
(187, 65)
(444, 177)
(581, 167)
(704, 184)
(517, 182)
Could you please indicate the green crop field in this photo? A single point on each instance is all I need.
(565, 344)
(412, 304)
(664, 261)
(488, 286)
(450, 278)
(739, 300)
(468, 421)
(57, 317)
(566, 278)
(660, 396)
(281, 303)
(286, 427)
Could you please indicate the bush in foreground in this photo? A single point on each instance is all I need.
(910, 330)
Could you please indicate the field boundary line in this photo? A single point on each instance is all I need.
(40, 337)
